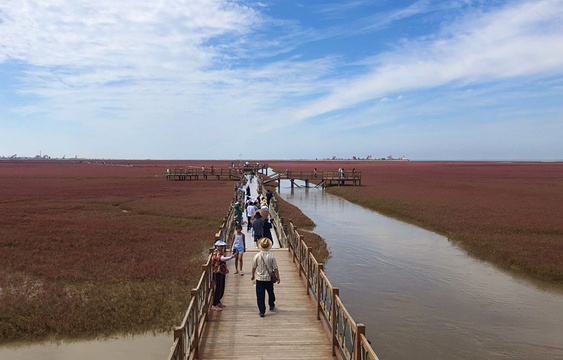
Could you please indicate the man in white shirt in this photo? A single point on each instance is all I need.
(250, 209)
(264, 266)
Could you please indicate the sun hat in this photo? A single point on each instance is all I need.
(264, 244)
(220, 242)
(264, 212)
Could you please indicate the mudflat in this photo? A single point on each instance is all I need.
(91, 248)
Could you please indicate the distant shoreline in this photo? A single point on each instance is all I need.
(205, 161)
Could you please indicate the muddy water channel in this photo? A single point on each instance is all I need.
(420, 297)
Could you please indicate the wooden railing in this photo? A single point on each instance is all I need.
(228, 227)
(311, 175)
(187, 335)
(256, 167)
(194, 172)
(277, 222)
(348, 337)
(342, 175)
(321, 178)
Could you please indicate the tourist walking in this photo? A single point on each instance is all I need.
(268, 229)
(269, 195)
(239, 246)
(264, 269)
(264, 210)
(238, 212)
(219, 264)
(250, 210)
(258, 227)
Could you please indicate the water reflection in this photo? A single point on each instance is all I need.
(422, 298)
(139, 347)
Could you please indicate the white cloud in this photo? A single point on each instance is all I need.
(515, 41)
(189, 55)
(81, 43)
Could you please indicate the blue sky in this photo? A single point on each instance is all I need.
(281, 79)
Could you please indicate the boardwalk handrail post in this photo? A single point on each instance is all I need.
(207, 284)
(300, 253)
(178, 334)
(293, 232)
(197, 323)
(320, 268)
(360, 330)
(335, 293)
(291, 236)
(308, 269)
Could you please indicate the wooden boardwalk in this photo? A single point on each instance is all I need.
(291, 331)
(302, 326)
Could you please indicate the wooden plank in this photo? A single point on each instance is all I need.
(291, 331)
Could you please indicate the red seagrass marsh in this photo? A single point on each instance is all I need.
(92, 248)
(506, 213)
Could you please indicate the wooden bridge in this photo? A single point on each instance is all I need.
(211, 173)
(309, 322)
(320, 178)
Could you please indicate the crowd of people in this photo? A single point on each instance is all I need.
(264, 265)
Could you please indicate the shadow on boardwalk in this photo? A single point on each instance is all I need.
(291, 331)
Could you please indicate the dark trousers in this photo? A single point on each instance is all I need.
(219, 288)
(248, 224)
(261, 288)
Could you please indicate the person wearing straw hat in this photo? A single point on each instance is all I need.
(219, 264)
(264, 269)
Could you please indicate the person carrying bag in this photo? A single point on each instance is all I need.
(273, 276)
(265, 271)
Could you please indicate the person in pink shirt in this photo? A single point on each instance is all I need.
(219, 264)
